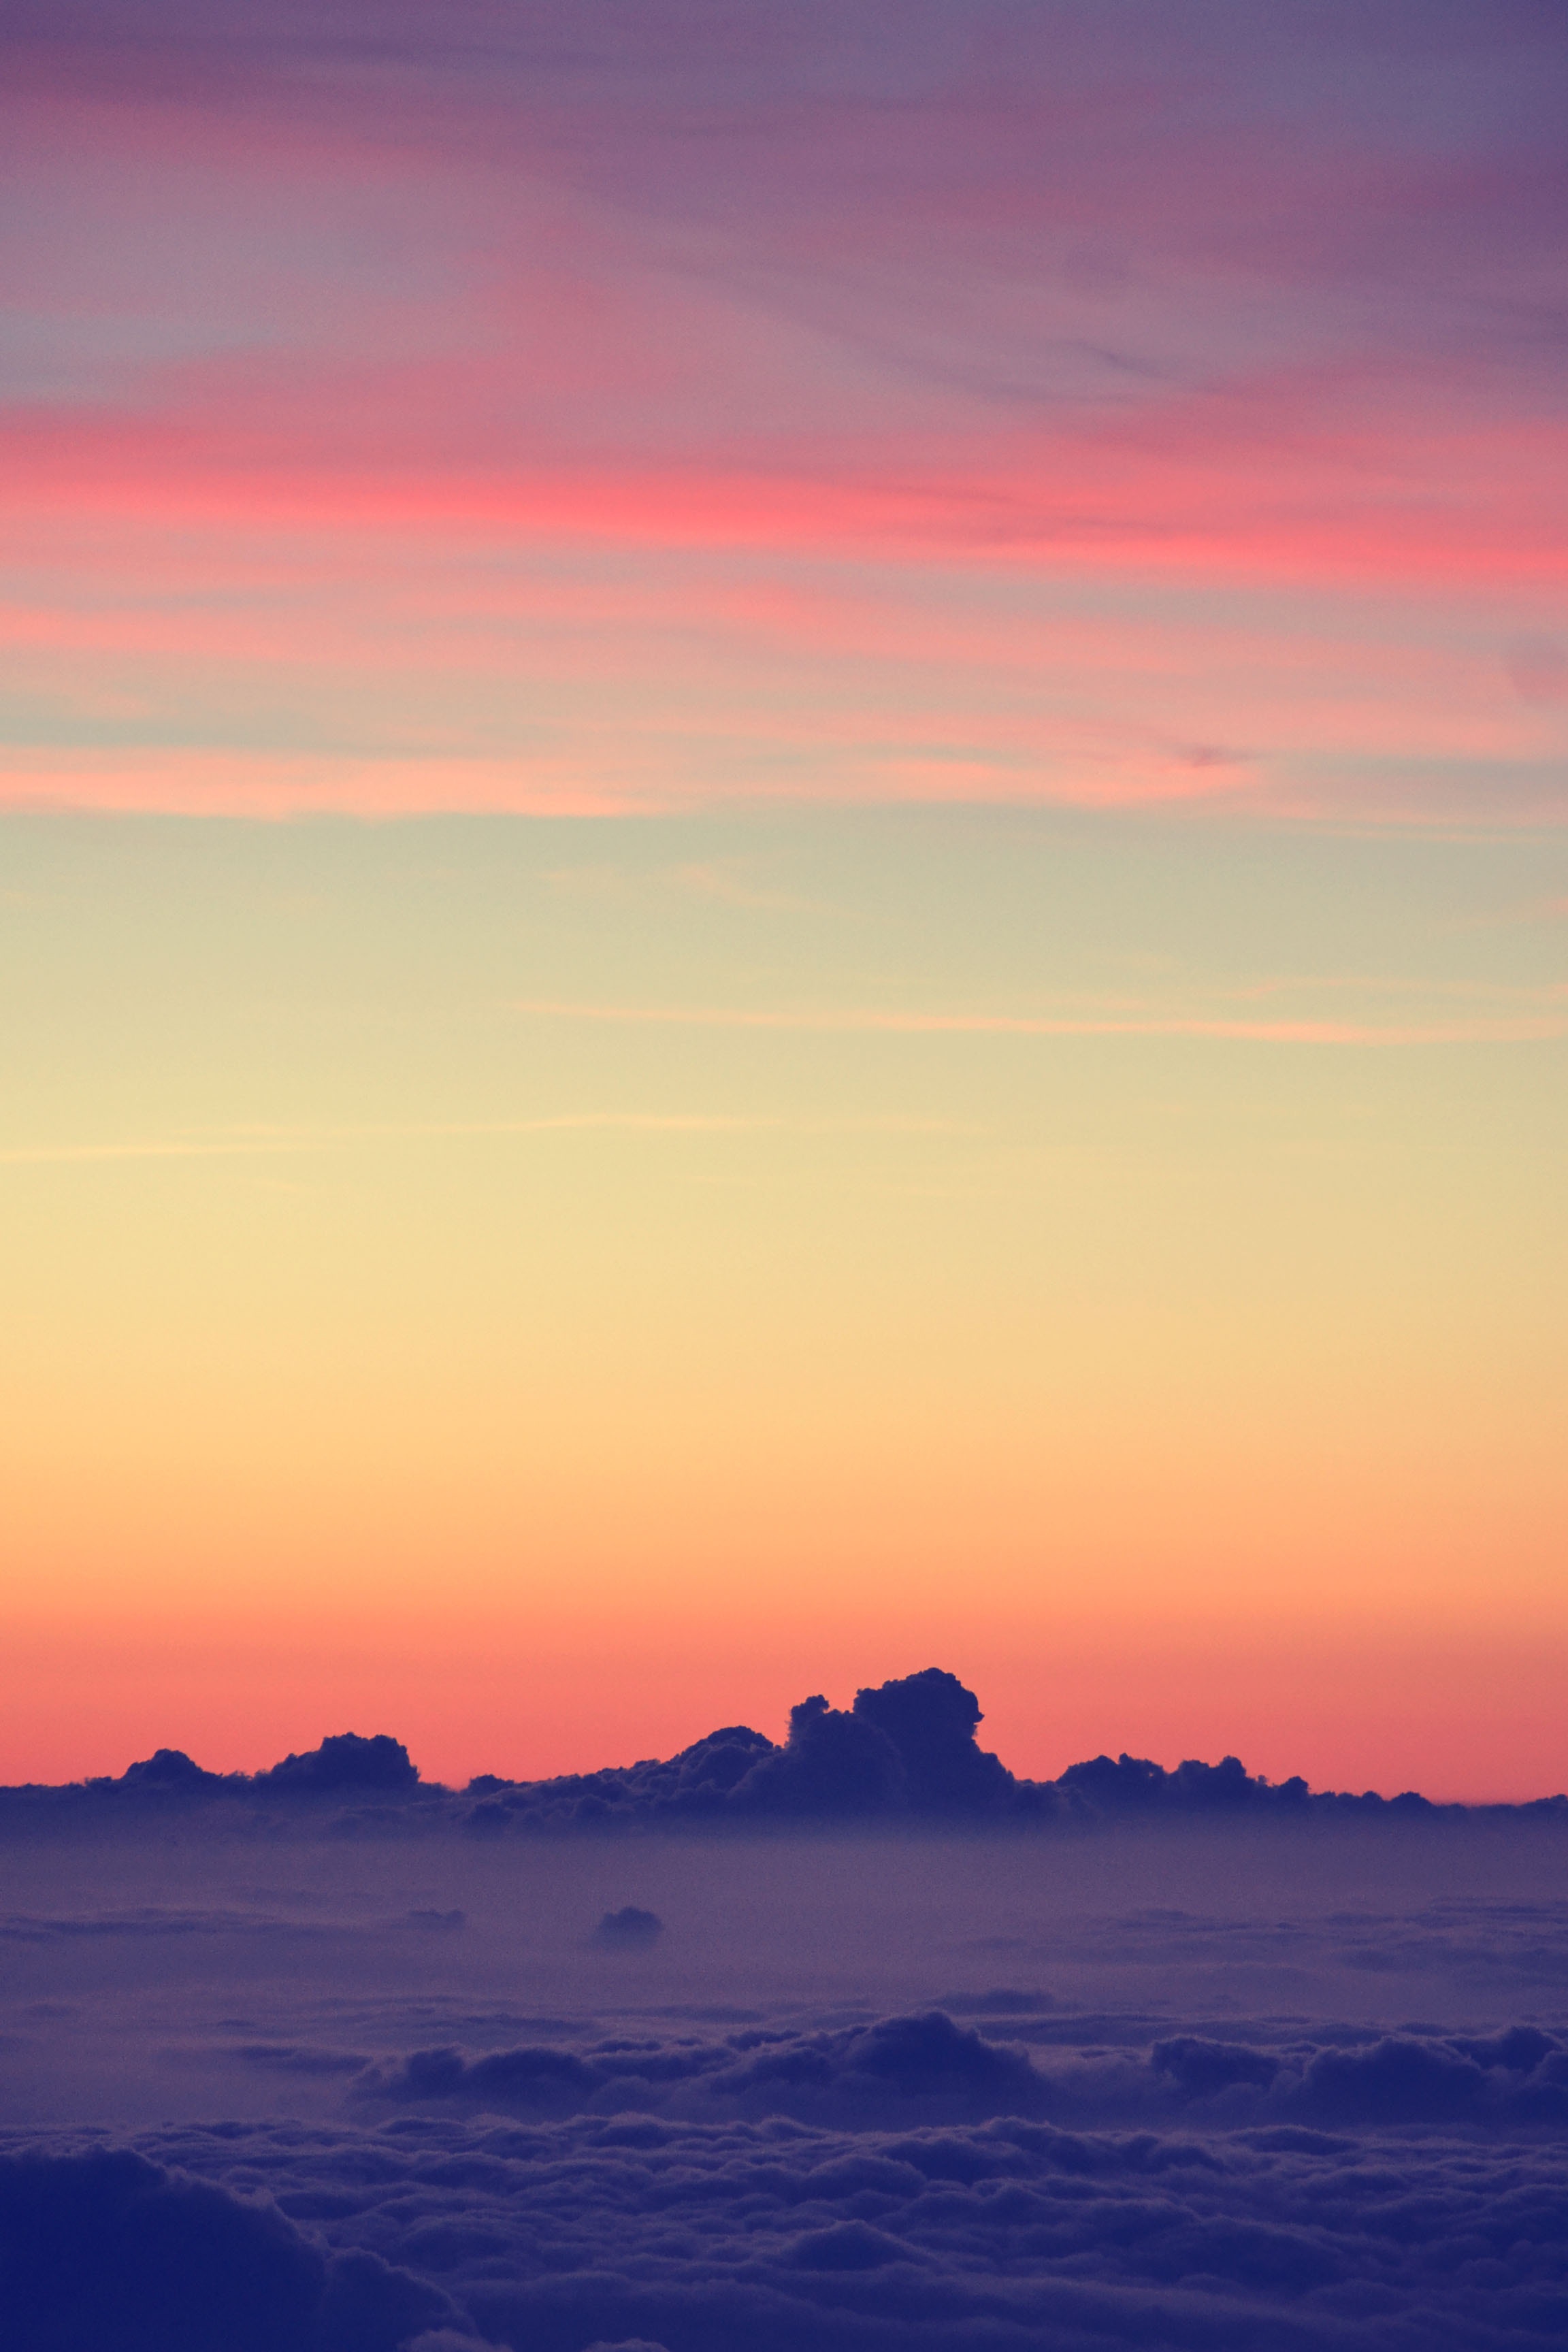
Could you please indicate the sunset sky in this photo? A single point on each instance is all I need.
(782, 805)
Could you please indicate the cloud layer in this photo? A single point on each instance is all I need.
(1196, 2086)
(1394, 2192)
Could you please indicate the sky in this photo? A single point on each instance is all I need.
(782, 878)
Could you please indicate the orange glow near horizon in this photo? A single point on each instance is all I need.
(1451, 1709)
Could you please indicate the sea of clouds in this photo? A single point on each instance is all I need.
(275, 2086)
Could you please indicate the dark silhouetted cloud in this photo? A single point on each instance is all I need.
(832, 1762)
(108, 2249)
(905, 1751)
(347, 1761)
(628, 1930)
(931, 1719)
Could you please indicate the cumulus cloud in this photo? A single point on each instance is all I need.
(108, 2248)
(900, 2067)
(629, 1930)
(1199, 2068)
(931, 1720)
(347, 1761)
(832, 1762)
(168, 1768)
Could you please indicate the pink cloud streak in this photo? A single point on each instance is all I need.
(1509, 1030)
(778, 352)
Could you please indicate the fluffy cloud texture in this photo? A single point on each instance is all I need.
(1398, 2190)
(108, 2247)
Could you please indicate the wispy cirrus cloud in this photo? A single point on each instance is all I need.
(1539, 1026)
(266, 1142)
